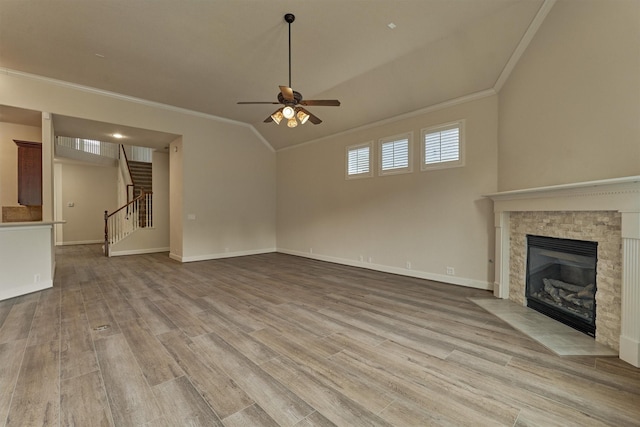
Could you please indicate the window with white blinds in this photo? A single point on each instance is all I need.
(395, 154)
(442, 146)
(359, 161)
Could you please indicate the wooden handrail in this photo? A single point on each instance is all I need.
(126, 161)
(140, 197)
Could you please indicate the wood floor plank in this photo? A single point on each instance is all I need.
(315, 420)
(188, 323)
(182, 405)
(216, 387)
(83, 402)
(72, 304)
(253, 349)
(285, 407)
(101, 320)
(5, 308)
(77, 354)
(157, 321)
(131, 400)
(252, 415)
(37, 388)
(326, 371)
(46, 320)
(11, 355)
(18, 322)
(332, 404)
(156, 364)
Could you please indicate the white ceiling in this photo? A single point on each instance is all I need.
(208, 55)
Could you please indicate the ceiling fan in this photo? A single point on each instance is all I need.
(292, 100)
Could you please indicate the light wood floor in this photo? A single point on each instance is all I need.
(277, 340)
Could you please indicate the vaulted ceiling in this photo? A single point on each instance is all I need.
(206, 56)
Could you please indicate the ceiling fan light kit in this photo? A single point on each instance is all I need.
(292, 99)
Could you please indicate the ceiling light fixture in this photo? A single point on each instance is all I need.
(302, 116)
(288, 112)
(292, 100)
(277, 116)
(117, 136)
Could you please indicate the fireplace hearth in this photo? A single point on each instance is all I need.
(561, 280)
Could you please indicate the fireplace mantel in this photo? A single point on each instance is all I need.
(618, 195)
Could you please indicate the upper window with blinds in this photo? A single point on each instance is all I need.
(395, 154)
(443, 146)
(359, 161)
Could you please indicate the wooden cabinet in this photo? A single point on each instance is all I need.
(29, 173)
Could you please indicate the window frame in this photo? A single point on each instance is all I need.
(460, 124)
(355, 147)
(395, 138)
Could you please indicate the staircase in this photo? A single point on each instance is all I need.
(141, 176)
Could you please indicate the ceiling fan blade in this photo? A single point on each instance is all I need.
(313, 119)
(321, 102)
(287, 93)
(258, 102)
(268, 120)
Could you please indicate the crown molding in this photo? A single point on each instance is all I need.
(436, 107)
(127, 98)
(524, 43)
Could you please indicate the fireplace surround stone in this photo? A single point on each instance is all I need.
(606, 211)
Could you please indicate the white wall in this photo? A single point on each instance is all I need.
(92, 190)
(26, 259)
(434, 219)
(228, 178)
(9, 158)
(570, 111)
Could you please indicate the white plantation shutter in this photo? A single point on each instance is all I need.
(359, 160)
(442, 146)
(395, 154)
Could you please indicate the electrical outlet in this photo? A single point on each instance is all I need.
(361, 258)
(370, 260)
(36, 278)
(408, 265)
(310, 250)
(451, 271)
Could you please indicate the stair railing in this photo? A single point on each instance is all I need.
(127, 219)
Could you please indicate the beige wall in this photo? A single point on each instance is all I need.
(434, 220)
(92, 190)
(9, 158)
(229, 184)
(570, 111)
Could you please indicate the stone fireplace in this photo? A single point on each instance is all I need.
(605, 212)
(561, 280)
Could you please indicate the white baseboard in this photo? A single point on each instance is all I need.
(79, 242)
(138, 251)
(460, 281)
(221, 255)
